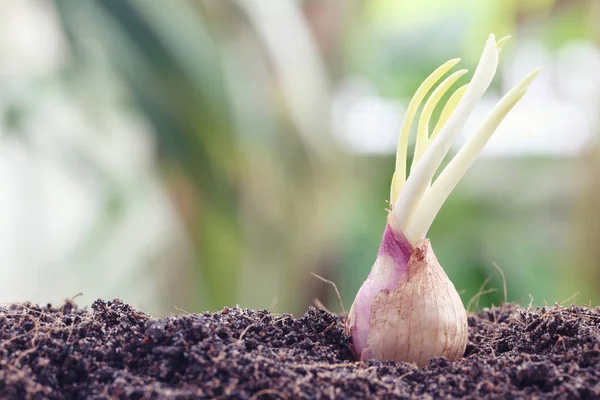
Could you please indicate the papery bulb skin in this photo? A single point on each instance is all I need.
(407, 310)
(390, 265)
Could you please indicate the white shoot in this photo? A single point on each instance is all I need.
(400, 173)
(435, 197)
(430, 104)
(421, 176)
(448, 110)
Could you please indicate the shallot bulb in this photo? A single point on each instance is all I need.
(408, 309)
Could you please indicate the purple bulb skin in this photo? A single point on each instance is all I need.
(396, 246)
(392, 259)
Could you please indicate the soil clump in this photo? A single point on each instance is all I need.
(114, 351)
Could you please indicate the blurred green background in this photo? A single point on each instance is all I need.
(202, 153)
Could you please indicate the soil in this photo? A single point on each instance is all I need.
(113, 351)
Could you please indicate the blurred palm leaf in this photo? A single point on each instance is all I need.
(169, 63)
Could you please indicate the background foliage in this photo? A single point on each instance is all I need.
(215, 152)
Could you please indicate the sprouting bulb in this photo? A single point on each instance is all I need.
(408, 309)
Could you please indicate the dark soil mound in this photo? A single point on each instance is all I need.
(115, 351)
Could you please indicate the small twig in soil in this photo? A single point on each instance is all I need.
(561, 340)
(337, 292)
(404, 375)
(71, 328)
(324, 366)
(516, 319)
(477, 295)
(248, 328)
(320, 305)
(329, 327)
(570, 298)
(503, 281)
(480, 293)
(69, 301)
(494, 314)
(483, 293)
(7, 341)
(530, 303)
(181, 310)
(268, 391)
